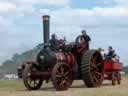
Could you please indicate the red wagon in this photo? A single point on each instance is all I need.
(112, 69)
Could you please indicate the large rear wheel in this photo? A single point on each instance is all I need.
(30, 83)
(92, 68)
(62, 76)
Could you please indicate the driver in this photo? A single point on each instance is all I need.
(84, 42)
(85, 36)
(85, 39)
(54, 42)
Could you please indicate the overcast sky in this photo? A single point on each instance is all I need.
(106, 21)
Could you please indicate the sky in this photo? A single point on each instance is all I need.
(106, 21)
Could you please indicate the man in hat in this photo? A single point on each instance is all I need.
(85, 39)
(111, 53)
(54, 42)
(85, 36)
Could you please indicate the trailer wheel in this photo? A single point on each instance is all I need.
(30, 84)
(92, 68)
(113, 79)
(118, 78)
(62, 76)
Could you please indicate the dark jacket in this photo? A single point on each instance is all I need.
(86, 38)
(111, 54)
(54, 44)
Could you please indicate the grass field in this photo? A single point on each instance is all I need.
(16, 88)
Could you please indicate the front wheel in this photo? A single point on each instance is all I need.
(30, 84)
(62, 76)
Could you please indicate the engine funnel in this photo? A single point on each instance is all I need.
(46, 29)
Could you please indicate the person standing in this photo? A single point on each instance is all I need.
(85, 36)
(85, 39)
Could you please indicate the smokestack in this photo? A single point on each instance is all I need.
(46, 28)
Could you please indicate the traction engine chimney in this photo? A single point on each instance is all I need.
(46, 28)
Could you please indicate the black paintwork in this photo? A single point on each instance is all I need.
(46, 30)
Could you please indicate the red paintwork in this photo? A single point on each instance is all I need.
(68, 58)
(110, 66)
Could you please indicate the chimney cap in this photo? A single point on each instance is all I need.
(46, 17)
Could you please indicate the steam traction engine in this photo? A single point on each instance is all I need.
(67, 63)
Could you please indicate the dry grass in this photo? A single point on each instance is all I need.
(16, 88)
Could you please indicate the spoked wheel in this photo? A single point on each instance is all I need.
(92, 68)
(30, 84)
(62, 76)
(113, 79)
(118, 78)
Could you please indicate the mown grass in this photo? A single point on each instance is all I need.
(16, 88)
(11, 85)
